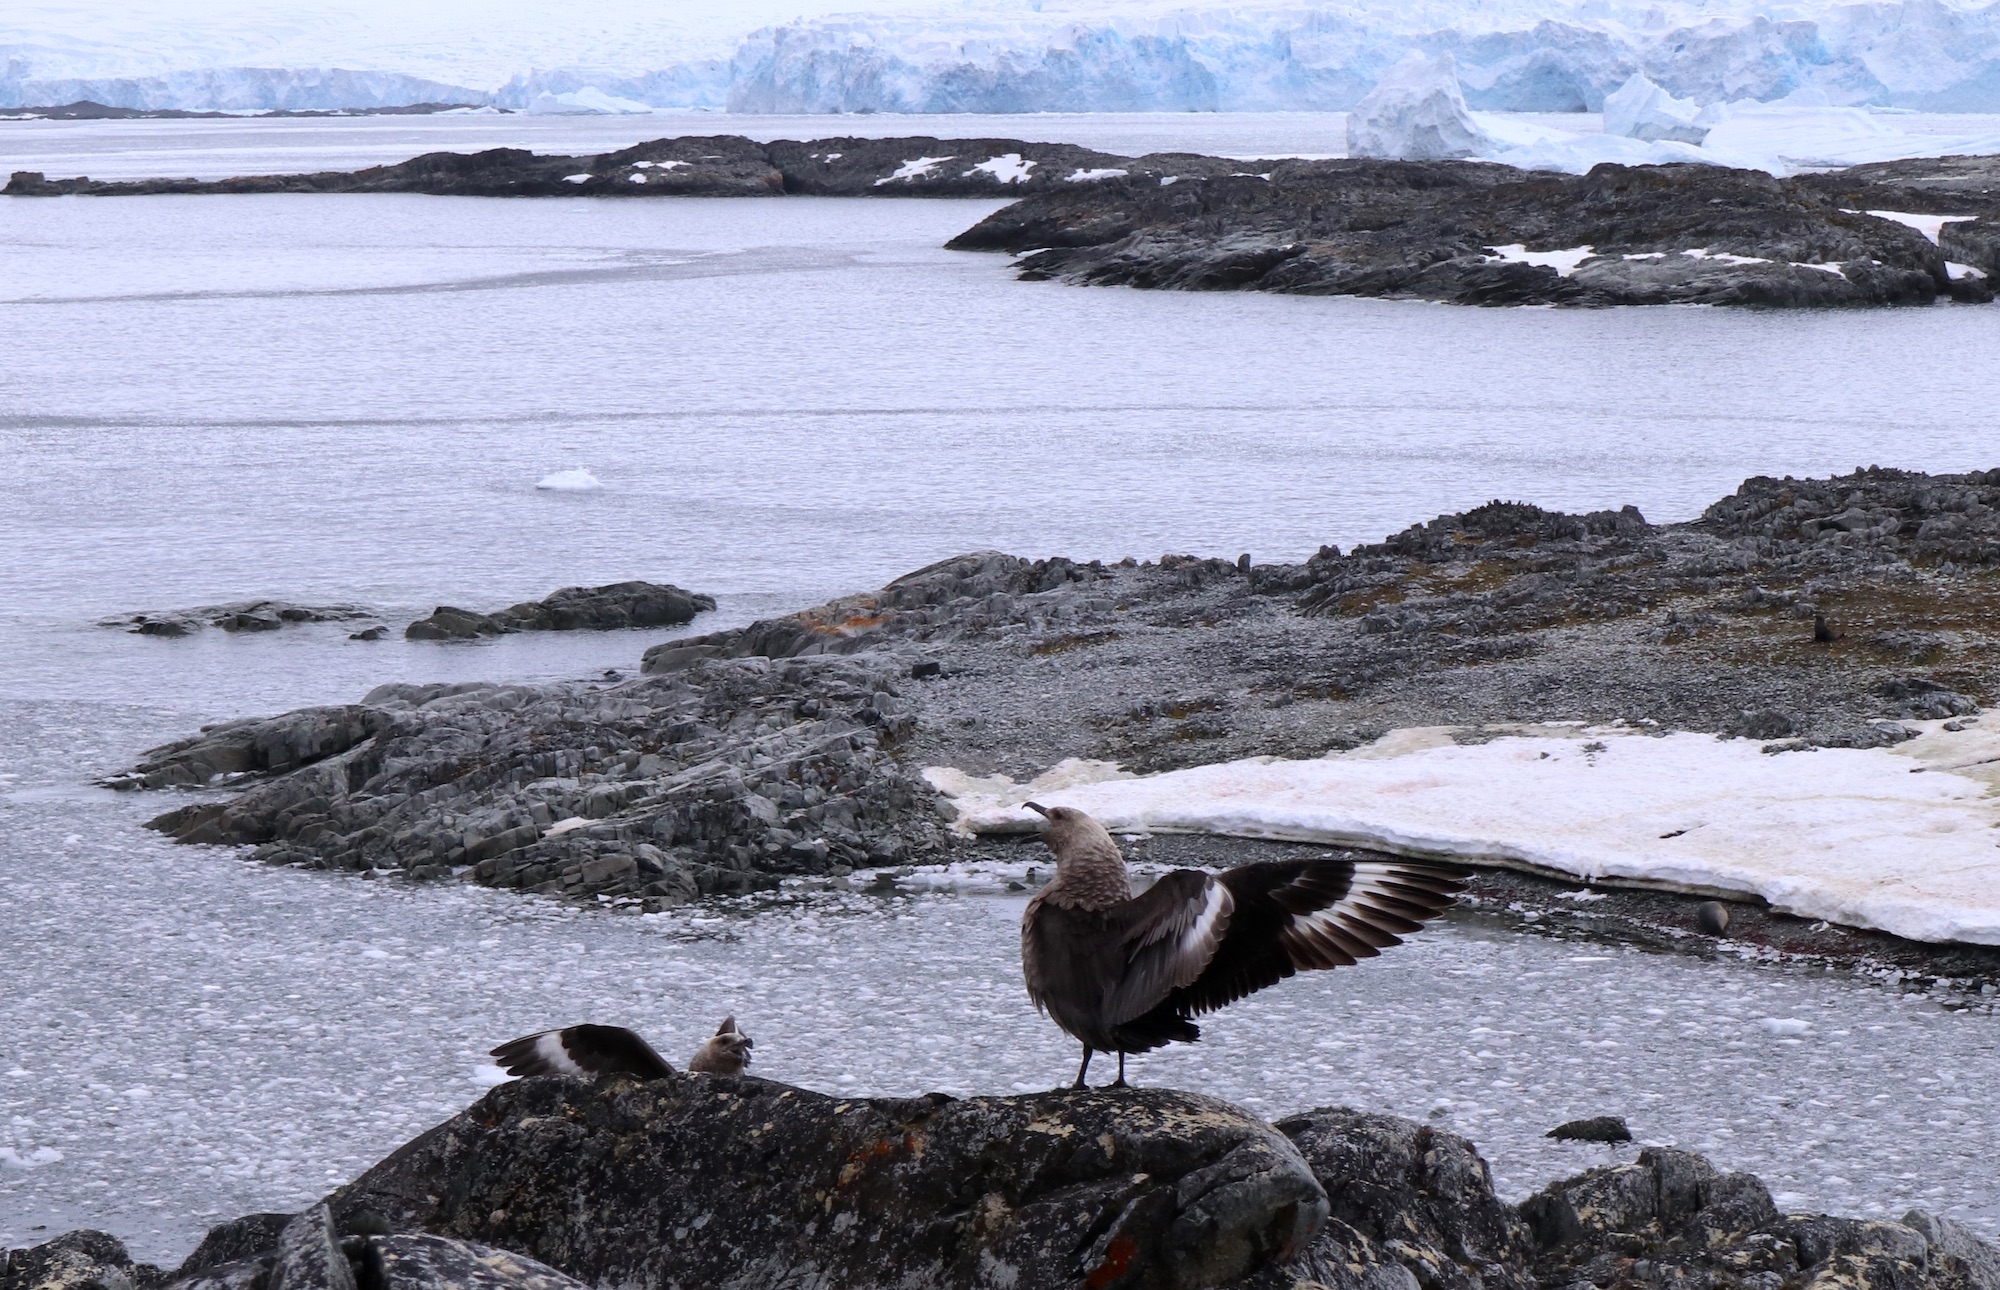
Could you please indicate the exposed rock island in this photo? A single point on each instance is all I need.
(1482, 234)
(795, 746)
(689, 1180)
(1891, 233)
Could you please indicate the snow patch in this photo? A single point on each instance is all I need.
(1416, 111)
(1959, 272)
(637, 179)
(1008, 168)
(1834, 269)
(1847, 835)
(916, 168)
(574, 480)
(577, 179)
(1722, 257)
(1091, 176)
(1563, 262)
(1931, 226)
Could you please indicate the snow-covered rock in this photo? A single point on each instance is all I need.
(1639, 109)
(1416, 111)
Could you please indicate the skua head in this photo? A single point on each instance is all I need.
(727, 1053)
(1072, 834)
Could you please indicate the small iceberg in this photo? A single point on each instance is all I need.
(588, 101)
(1639, 109)
(574, 480)
(1417, 112)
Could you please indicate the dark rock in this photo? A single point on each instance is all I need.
(449, 623)
(309, 1255)
(1598, 1128)
(375, 633)
(1405, 1196)
(80, 1260)
(712, 1180)
(724, 778)
(239, 616)
(272, 746)
(1922, 699)
(1659, 234)
(419, 1262)
(926, 670)
(239, 1238)
(1712, 916)
(607, 608)
(1767, 723)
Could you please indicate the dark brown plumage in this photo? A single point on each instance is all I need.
(1823, 634)
(582, 1050)
(1126, 974)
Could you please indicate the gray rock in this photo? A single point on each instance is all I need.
(239, 1238)
(237, 616)
(80, 1260)
(309, 1256)
(607, 608)
(1959, 1248)
(729, 1181)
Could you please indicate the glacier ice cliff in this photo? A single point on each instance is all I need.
(1928, 55)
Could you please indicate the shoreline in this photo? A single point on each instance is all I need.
(790, 748)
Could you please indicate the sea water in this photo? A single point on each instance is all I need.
(353, 398)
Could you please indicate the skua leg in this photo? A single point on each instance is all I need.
(1121, 1072)
(1084, 1069)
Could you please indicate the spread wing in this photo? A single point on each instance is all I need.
(1170, 933)
(1300, 915)
(582, 1050)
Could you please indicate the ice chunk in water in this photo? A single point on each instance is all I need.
(1639, 109)
(574, 480)
(1417, 111)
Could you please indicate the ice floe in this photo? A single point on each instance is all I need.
(1905, 840)
(588, 101)
(574, 480)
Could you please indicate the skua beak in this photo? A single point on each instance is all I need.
(1037, 808)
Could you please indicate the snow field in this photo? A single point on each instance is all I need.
(1905, 840)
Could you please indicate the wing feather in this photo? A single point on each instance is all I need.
(1293, 916)
(1171, 931)
(582, 1050)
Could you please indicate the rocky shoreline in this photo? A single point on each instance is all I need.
(550, 1183)
(793, 747)
(1889, 233)
(1475, 233)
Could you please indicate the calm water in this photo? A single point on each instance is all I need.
(352, 398)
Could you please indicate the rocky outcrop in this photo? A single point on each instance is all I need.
(608, 608)
(1479, 233)
(650, 792)
(294, 1252)
(237, 616)
(964, 596)
(702, 166)
(734, 1181)
(729, 1181)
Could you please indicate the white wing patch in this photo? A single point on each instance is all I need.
(1198, 942)
(549, 1047)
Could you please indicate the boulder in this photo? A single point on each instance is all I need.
(237, 616)
(607, 608)
(731, 1181)
(80, 1260)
